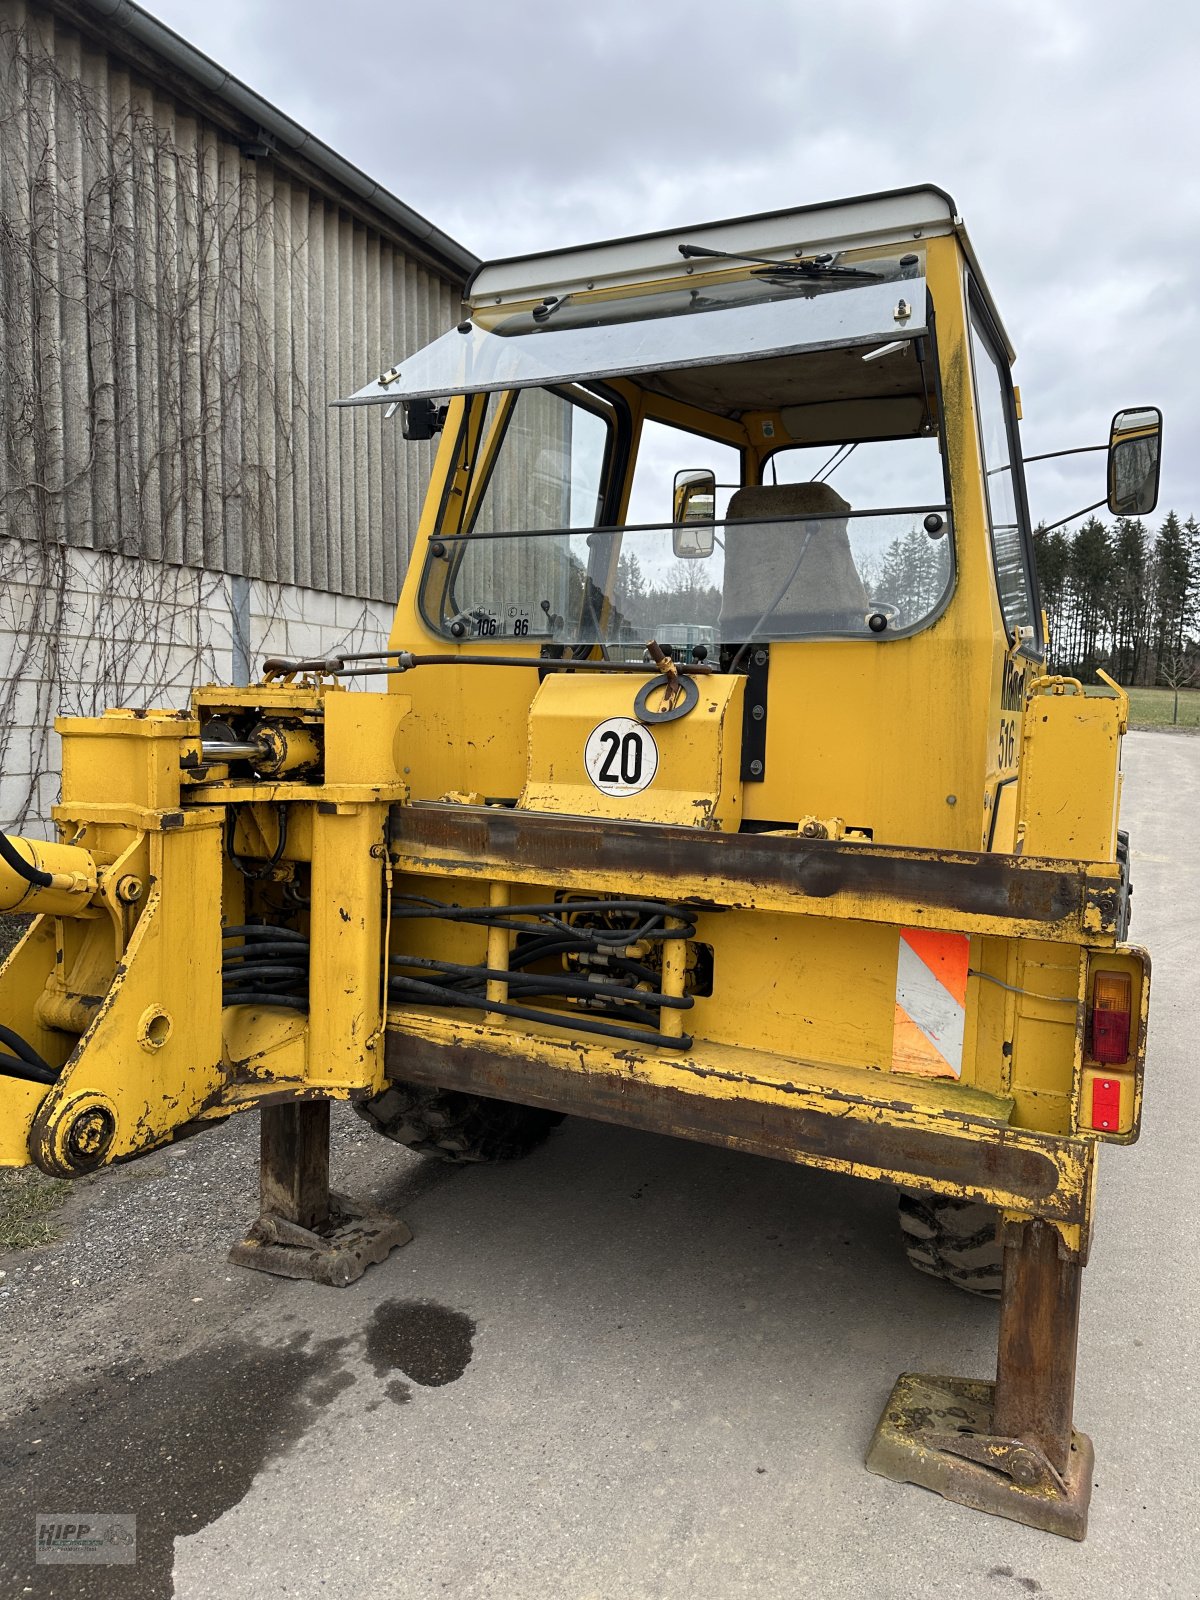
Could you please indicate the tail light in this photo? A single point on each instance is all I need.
(1111, 1011)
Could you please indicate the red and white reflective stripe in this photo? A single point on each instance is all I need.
(931, 1002)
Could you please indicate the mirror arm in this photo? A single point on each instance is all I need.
(1050, 527)
(1051, 455)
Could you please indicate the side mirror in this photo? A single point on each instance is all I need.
(1133, 465)
(423, 419)
(694, 534)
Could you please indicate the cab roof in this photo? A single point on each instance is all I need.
(889, 217)
(630, 307)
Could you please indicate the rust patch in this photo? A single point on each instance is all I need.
(987, 1158)
(975, 883)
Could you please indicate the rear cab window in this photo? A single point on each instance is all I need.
(1007, 512)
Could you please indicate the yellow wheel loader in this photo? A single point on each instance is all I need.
(711, 783)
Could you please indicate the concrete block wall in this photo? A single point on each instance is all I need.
(82, 630)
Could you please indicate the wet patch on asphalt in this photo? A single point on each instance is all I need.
(180, 1446)
(428, 1343)
(176, 1448)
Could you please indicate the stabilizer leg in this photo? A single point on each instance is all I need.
(1009, 1447)
(305, 1229)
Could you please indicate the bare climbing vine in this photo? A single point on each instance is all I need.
(151, 409)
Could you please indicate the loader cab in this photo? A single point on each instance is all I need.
(804, 453)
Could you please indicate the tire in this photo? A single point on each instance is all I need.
(956, 1240)
(457, 1127)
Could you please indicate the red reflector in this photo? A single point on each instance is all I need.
(1110, 1017)
(1106, 1103)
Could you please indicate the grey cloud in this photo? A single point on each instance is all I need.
(1066, 132)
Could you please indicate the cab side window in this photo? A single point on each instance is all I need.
(1006, 512)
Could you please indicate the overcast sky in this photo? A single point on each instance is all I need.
(1066, 130)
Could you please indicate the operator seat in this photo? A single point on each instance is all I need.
(825, 594)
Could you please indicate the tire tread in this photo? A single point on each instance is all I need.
(955, 1240)
(455, 1127)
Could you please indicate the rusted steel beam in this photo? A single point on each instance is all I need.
(1007, 1448)
(1039, 1329)
(992, 1162)
(294, 1162)
(994, 893)
(304, 1229)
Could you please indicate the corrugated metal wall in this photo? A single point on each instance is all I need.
(174, 319)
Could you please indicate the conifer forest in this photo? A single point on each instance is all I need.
(1125, 597)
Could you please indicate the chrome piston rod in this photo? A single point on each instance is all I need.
(234, 750)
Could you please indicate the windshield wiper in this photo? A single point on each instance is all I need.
(814, 267)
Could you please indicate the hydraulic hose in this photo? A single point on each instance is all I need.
(262, 930)
(254, 948)
(266, 969)
(411, 988)
(544, 983)
(13, 1067)
(25, 1051)
(262, 997)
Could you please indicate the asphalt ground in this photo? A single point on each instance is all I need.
(627, 1367)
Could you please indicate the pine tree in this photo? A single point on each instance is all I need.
(1052, 552)
(909, 575)
(631, 585)
(1092, 570)
(1118, 600)
(1173, 586)
(1191, 536)
(1130, 600)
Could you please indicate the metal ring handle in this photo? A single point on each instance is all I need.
(691, 695)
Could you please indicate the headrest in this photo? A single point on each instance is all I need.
(786, 500)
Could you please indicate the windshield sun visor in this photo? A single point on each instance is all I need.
(576, 339)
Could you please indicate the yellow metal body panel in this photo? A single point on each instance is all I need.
(152, 1053)
(125, 758)
(365, 740)
(696, 779)
(345, 1033)
(1069, 789)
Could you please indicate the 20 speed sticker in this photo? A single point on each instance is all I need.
(621, 756)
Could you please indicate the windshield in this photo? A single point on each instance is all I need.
(765, 580)
(847, 574)
(673, 326)
(845, 540)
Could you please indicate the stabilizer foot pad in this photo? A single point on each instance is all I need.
(335, 1253)
(927, 1422)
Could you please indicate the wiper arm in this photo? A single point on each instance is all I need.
(818, 267)
(687, 251)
